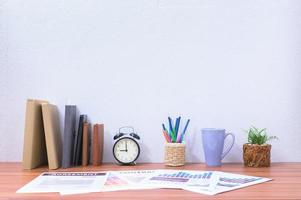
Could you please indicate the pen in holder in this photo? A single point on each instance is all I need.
(174, 154)
(175, 144)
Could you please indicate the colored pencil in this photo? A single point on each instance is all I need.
(177, 126)
(170, 124)
(173, 134)
(184, 131)
(179, 138)
(166, 136)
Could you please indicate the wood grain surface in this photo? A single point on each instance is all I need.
(286, 183)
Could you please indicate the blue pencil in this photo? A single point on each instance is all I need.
(170, 124)
(184, 131)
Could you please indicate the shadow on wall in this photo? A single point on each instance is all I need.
(194, 149)
(108, 147)
(144, 153)
(234, 156)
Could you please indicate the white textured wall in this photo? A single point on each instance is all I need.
(228, 64)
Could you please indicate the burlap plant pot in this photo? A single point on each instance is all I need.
(255, 155)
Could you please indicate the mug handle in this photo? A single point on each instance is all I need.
(233, 140)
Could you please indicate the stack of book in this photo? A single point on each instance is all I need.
(43, 140)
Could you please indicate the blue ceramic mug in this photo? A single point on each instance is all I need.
(213, 144)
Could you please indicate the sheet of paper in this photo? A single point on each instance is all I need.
(180, 178)
(127, 180)
(227, 182)
(66, 182)
(204, 182)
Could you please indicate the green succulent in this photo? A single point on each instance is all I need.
(258, 136)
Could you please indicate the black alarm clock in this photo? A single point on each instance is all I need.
(126, 148)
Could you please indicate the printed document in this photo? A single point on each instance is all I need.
(66, 182)
(226, 182)
(203, 182)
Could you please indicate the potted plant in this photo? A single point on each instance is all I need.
(257, 153)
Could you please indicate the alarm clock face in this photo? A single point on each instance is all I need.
(126, 150)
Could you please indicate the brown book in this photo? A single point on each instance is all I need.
(34, 147)
(52, 135)
(85, 152)
(98, 135)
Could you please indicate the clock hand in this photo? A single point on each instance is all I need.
(126, 146)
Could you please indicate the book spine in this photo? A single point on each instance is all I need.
(98, 134)
(52, 135)
(34, 147)
(69, 134)
(79, 141)
(85, 151)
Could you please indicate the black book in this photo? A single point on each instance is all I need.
(77, 156)
(69, 135)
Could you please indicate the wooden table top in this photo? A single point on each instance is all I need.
(286, 183)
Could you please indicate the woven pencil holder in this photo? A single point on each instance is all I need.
(174, 154)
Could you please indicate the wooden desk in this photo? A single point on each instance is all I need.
(286, 183)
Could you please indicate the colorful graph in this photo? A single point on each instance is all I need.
(232, 182)
(113, 180)
(181, 176)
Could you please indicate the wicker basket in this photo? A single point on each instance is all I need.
(174, 154)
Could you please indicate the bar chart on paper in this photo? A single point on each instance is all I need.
(181, 176)
(232, 182)
(178, 179)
